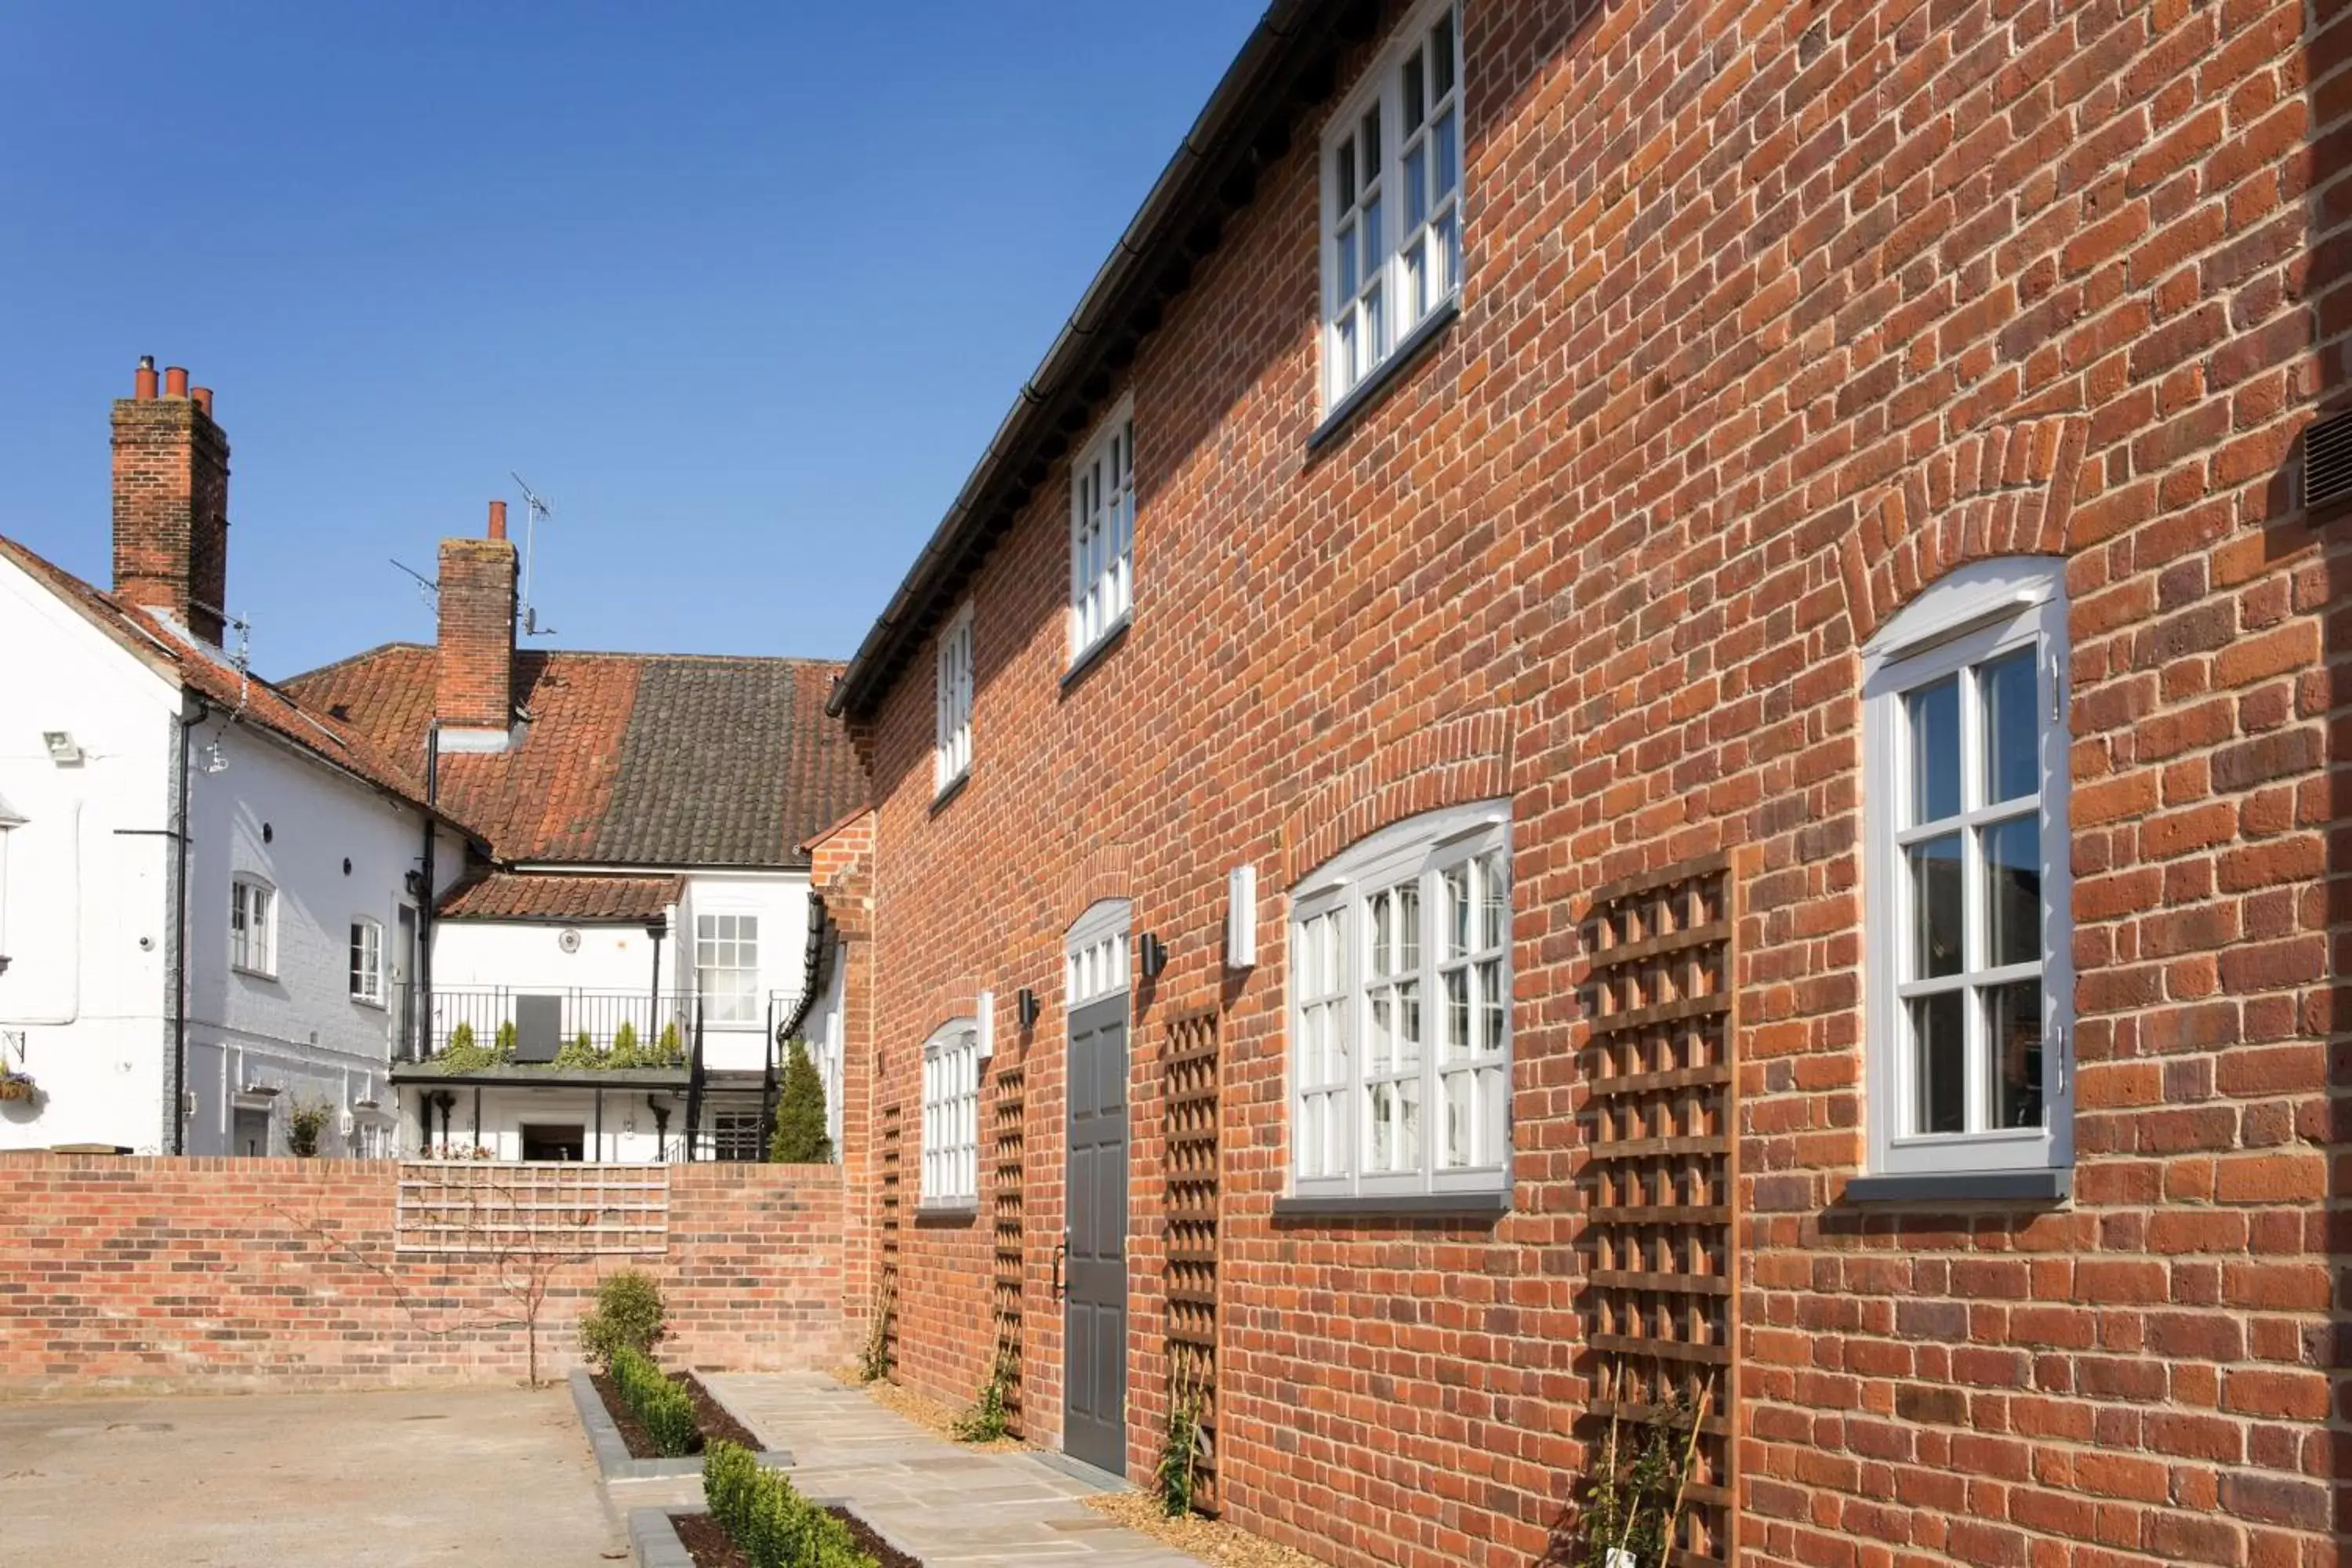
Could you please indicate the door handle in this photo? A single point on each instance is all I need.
(1061, 1253)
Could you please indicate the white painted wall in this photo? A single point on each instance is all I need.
(274, 813)
(87, 911)
(530, 957)
(780, 901)
(84, 916)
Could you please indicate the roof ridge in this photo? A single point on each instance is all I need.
(398, 644)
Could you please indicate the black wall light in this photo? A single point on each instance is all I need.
(1025, 1006)
(1152, 954)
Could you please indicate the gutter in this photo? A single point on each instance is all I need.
(1077, 345)
(820, 947)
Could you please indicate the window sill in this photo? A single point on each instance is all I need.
(1372, 388)
(1944, 1188)
(948, 790)
(1095, 653)
(251, 974)
(376, 1003)
(963, 1211)
(1395, 1205)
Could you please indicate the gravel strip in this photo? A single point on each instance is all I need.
(1211, 1540)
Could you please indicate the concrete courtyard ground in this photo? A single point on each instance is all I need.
(362, 1480)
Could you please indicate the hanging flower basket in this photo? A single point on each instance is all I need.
(18, 1086)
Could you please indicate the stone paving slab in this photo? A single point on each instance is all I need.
(951, 1507)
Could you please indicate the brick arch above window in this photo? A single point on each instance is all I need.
(1104, 872)
(2007, 490)
(1454, 762)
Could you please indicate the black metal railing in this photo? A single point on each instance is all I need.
(656, 1028)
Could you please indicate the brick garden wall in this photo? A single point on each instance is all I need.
(1775, 312)
(281, 1275)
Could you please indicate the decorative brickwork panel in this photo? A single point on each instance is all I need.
(1007, 1146)
(1191, 1174)
(1662, 1279)
(479, 1209)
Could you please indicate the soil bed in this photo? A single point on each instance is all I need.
(712, 1547)
(710, 1418)
(1211, 1540)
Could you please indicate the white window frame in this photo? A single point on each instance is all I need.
(1102, 534)
(367, 961)
(737, 1005)
(1095, 949)
(253, 926)
(728, 1143)
(1336, 1000)
(950, 1176)
(1976, 613)
(1383, 280)
(952, 752)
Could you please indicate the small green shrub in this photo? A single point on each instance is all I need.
(305, 1124)
(628, 1314)
(464, 1053)
(623, 1053)
(665, 1407)
(874, 1356)
(673, 1049)
(800, 1137)
(1179, 1471)
(504, 1050)
(579, 1052)
(765, 1515)
(991, 1417)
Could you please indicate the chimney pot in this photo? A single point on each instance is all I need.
(175, 382)
(144, 383)
(498, 519)
(202, 396)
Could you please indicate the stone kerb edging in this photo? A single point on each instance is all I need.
(613, 1458)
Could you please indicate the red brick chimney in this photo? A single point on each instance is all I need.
(170, 501)
(477, 629)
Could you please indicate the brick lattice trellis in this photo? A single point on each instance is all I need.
(1191, 1126)
(1005, 1199)
(893, 1204)
(1661, 1302)
(481, 1209)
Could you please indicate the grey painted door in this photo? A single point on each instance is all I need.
(1094, 1317)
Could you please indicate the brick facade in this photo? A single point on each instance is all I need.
(214, 1275)
(1774, 314)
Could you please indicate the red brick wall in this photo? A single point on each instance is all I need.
(476, 636)
(281, 1274)
(1762, 301)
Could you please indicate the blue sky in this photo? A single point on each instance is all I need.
(743, 290)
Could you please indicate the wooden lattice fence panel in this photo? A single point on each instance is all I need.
(1662, 1275)
(1192, 1198)
(1005, 1205)
(893, 1218)
(489, 1209)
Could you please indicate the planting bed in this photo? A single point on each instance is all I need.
(711, 1417)
(711, 1546)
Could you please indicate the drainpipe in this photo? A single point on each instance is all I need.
(419, 1013)
(179, 1111)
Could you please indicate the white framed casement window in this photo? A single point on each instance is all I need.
(1400, 1013)
(726, 967)
(367, 961)
(952, 755)
(1102, 534)
(1969, 929)
(1393, 200)
(951, 1173)
(253, 926)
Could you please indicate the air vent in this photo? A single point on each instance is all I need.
(2327, 462)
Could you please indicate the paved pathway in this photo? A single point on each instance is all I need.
(950, 1506)
(413, 1480)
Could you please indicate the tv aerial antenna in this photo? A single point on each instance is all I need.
(539, 511)
(427, 588)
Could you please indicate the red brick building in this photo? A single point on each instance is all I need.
(1651, 695)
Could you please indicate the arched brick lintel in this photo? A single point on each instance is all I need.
(1105, 871)
(2004, 492)
(1453, 763)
